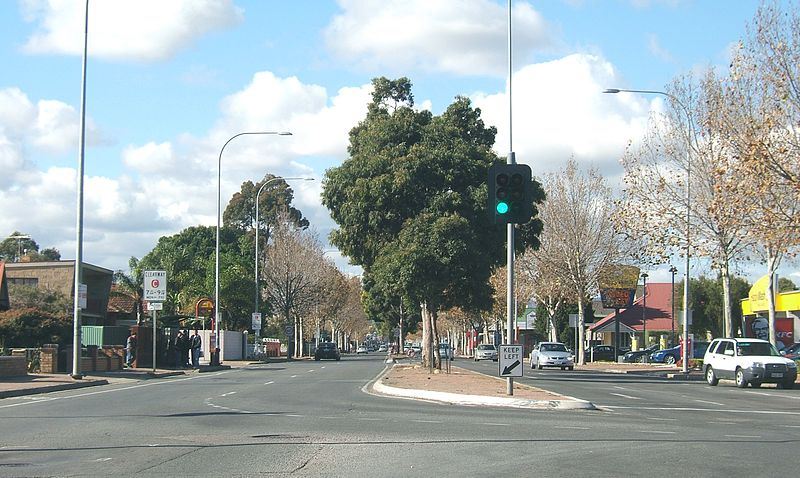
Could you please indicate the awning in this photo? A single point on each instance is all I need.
(609, 328)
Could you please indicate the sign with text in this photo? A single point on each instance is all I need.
(510, 361)
(155, 286)
(256, 321)
(82, 294)
(155, 306)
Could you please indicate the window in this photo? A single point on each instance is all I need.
(29, 281)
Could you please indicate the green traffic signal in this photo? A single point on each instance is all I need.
(502, 207)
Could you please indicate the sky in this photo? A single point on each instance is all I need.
(169, 82)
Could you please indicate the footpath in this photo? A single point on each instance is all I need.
(33, 384)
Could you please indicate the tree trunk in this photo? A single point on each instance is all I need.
(435, 342)
(581, 333)
(426, 331)
(727, 316)
(772, 264)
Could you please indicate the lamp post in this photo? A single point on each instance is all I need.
(673, 270)
(686, 312)
(644, 308)
(258, 194)
(219, 220)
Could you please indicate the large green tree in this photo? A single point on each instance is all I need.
(18, 244)
(410, 203)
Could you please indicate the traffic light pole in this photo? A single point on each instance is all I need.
(510, 242)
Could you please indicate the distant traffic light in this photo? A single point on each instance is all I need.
(510, 194)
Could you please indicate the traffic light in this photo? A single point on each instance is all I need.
(510, 194)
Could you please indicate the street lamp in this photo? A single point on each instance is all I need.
(258, 194)
(686, 312)
(219, 220)
(644, 308)
(673, 270)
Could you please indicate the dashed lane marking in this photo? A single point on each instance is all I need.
(625, 396)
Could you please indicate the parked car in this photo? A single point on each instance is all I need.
(597, 353)
(383, 348)
(327, 350)
(640, 356)
(485, 352)
(445, 351)
(746, 361)
(792, 352)
(551, 354)
(672, 355)
(362, 349)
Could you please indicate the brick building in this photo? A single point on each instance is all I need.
(59, 276)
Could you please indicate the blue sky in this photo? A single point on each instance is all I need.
(170, 81)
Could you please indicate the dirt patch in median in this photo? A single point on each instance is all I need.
(460, 381)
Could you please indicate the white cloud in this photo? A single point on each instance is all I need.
(144, 30)
(657, 50)
(464, 37)
(560, 111)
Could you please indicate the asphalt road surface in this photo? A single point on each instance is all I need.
(314, 418)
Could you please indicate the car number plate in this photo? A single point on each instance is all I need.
(778, 375)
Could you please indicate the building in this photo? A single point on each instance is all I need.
(4, 303)
(656, 318)
(60, 276)
(755, 314)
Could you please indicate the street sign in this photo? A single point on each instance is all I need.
(155, 286)
(256, 321)
(82, 293)
(155, 306)
(289, 332)
(510, 361)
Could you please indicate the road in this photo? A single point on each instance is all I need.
(314, 418)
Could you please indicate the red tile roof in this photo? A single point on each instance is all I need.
(658, 312)
(120, 300)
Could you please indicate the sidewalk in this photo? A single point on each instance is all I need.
(33, 384)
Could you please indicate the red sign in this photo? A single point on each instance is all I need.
(758, 327)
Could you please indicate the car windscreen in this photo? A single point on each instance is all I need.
(485, 347)
(553, 348)
(756, 348)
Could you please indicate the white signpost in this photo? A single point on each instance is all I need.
(510, 361)
(256, 321)
(82, 294)
(155, 292)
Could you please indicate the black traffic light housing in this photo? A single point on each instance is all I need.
(510, 194)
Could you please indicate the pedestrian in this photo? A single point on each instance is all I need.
(179, 346)
(196, 344)
(130, 349)
(187, 350)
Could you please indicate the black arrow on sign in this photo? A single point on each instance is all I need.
(509, 368)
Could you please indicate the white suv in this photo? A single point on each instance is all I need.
(746, 361)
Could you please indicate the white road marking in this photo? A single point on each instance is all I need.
(103, 459)
(322, 366)
(691, 409)
(709, 402)
(656, 431)
(495, 424)
(625, 396)
(328, 418)
(310, 371)
(663, 419)
(293, 376)
(371, 419)
(620, 388)
(574, 428)
(226, 394)
(765, 394)
(294, 416)
(791, 426)
(270, 382)
(427, 421)
(743, 436)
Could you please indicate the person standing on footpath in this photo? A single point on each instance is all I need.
(130, 350)
(196, 344)
(179, 346)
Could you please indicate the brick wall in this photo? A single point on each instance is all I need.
(13, 366)
(48, 359)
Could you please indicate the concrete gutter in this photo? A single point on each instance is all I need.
(476, 400)
(53, 387)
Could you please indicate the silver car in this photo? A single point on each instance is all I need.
(551, 354)
(486, 352)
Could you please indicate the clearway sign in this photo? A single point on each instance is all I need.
(155, 286)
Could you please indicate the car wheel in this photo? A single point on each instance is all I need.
(642, 359)
(494, 360)
(669, 360)
(476, 359)
(711, 377)
(570, 368)
(539, 366)
(740, 381)
(338, 358)
(563, 368)
(316, 358)
(755, 384)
